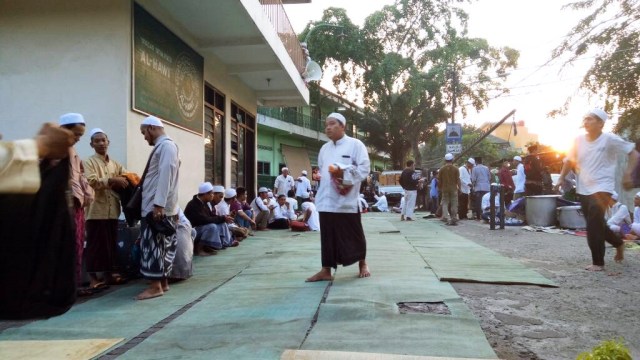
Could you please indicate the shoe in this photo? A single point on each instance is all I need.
(452, 223)
(409, 219)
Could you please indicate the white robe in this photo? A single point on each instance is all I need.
(347, 152)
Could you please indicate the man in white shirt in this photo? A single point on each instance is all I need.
(293, 202)
(618, 216)
(465, 188)
(344, 164)
(303, 187)
(635, 226)
(381, 204)
(520, 179)
(362, 202)
(284, 182)
(282, 214)
(261, 209)
(310, 218)
(593, 156)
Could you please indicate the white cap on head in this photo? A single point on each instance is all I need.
(338, 117)
(270, 194)
(638, 194)
(229, 193)
(284, 169)
(218, 189)
(153, 121)
(71, 118)
(471, 161)
(614, 196)
(95, 131)
(362, 196)
(517, 158)
(448, 157)
(263, 190)
(304, 172)
(205, 188)
(599, 113)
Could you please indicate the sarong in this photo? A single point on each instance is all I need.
(182, 263)
(37, 249)
(100, 252)
(157, 252)
(342, 239)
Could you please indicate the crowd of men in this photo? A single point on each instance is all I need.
(74, 208)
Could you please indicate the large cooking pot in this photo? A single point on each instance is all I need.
(541, 210)
(571, 217)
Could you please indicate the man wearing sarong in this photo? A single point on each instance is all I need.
(105, 175)
(344, 164)
(160, 198)
(212, 232)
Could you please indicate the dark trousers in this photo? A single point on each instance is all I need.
(593, 208)
(477, 203)
(279, 224)
(463, 205)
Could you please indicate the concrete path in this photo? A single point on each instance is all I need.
(251, 302)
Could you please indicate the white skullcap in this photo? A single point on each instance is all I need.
(95, 131)
(598, 113)
(448, 157)
(71, 118)
(270, 194)
(471, 161)
(517, 158)
(304, 172)
(229, 193)
(614, 196)
(338, 117)
(153, 121)
(263, 190)
(362, 196)
(205, 188)
(218, 189)
(284, 168)
(638, 194)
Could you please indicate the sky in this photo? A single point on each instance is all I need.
(534, 28)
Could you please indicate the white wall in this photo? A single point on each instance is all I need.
(65, 56)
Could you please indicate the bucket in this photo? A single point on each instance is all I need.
(541, 210)
(571, 217)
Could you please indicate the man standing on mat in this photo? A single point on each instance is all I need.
(593, 156)
(344, 164)
(160, 198)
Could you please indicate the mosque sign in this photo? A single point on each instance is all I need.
(168, 75)
(453, 137)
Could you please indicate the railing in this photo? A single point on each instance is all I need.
(280, 21)
(291, 116)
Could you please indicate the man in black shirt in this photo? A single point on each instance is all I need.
(409, 180)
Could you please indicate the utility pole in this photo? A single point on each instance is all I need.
(454, 85)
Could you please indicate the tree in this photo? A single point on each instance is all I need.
(409, 62)
(611, 31)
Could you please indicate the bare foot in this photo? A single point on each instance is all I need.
(594, 268)
(619, 254)
(364, 269)
(165, 285)
(149, 293)
(322, 275)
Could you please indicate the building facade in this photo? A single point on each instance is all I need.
(202, 67)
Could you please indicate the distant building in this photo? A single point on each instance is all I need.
(506, 132)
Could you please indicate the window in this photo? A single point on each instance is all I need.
(213, 133)
(264, 168)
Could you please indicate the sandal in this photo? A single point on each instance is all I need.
(117, 280)
(85, 292)
(99, 287)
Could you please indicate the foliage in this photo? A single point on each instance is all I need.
(607, 350)
(409, 62)
(611, 32)
(434, 151)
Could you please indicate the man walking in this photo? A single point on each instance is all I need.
(465, 188)
(160, 198)
(481, 180)
(344, 164)
(449, 183)
(593, 155)
(284, 182)
(409, 181)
